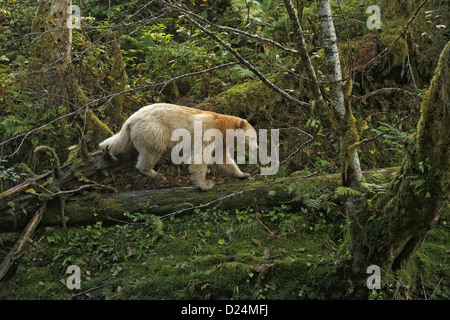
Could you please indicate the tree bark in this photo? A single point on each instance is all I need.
(341, 116)
(398, 221)
(51, 53)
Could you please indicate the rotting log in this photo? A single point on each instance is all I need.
(93, 206)
(17, 202)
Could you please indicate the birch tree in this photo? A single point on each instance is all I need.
(345, 126)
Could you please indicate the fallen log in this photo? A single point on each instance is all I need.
(80, 174)
(94, 206)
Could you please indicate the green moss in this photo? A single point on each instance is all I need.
(118, 84)
(211, 255)
(396, 55)
(207, 255)
(252, 100)
(350, 141)
(97, 130)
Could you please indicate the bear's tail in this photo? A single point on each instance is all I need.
(119, 143)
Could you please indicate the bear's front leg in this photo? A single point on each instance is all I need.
(230, 168)
(198, 174)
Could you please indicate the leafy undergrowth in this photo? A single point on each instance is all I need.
(278, 253)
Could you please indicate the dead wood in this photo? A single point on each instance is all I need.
(19, 247)
(87, 198)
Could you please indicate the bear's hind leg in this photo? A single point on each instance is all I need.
(146, 162)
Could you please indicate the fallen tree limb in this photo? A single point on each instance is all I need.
(19, 247)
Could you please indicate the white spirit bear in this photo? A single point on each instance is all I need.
(206, 137)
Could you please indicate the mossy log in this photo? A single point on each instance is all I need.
(78, 175)
(89, 207)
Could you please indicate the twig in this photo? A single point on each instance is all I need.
(254, 36)
(62, 205)
(271, 233)
(423, 288)
(434, 291)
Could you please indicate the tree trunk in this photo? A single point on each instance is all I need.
(398, 221)
(338, 119)
(51, 53)
(51, 56)
(118, 83)
(340, 113)
(345, 125)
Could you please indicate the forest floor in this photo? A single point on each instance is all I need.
(287, 252)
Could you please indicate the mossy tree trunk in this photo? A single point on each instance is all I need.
(51, 53)
(51, 56)
(118, 79)
(397, 222)
(388, 230)
(336, 116)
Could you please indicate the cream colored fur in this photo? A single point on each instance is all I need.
(149, 130)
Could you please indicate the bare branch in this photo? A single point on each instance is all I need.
(384, 132)
(405, 28)
(254, 36)
(243, 61)
(385, 90)
(108, 98)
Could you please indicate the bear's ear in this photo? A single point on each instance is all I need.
(241, 124)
